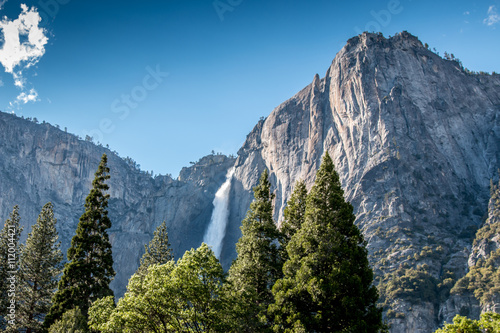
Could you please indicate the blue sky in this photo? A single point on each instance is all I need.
(166, 82)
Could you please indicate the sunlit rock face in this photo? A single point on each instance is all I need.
(415, 140)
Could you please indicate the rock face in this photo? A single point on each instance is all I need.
(479, 290)
(415, 140)
(40, 163)
(488, 237)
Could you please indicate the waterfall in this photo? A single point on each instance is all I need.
(217, 227)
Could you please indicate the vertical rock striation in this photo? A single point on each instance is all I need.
(415, 139)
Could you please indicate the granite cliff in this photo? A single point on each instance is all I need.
(415, 139)
(40, 163)
(479, 290)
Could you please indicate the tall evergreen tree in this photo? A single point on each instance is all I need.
(294, 214)
(158, 250)
(9, 262)
(89, 270)
(258, 264)
(327, 284)
(40, 266)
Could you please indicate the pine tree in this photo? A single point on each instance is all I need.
(158, 250)
(258, 264)
(9, 264)
(40, 266)
(89, 270)
(294, 214)
(327, 284)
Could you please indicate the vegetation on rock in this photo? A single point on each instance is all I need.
(483, 278)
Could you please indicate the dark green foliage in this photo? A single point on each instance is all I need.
(89, 270)
(415, 285)
(294, 214)
(327, 283)
(40, 266)
(258, 264)
(9, 261)
(158, 251)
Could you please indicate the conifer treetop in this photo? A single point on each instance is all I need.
(40, 266)
(89, 271)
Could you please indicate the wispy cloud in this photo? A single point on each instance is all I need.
(492, 17)
(24, 98)
(2, 2)
(467, 13)
(31, 96)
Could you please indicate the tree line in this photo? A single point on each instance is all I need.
(310, 274)
(37, 289)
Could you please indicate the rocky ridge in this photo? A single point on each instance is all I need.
(40, 163)
(415, 139)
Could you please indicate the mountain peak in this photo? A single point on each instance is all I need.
(400, 40)
(415, 140)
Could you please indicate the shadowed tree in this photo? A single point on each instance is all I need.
(294, 215)
(89, 270)
(258, 264)
(327, 284)
(40, 266)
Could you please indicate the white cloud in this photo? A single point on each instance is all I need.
(23, 46)
(15, 53)
(493, 16)
(18, 79)
(467, 13)
(23, 98)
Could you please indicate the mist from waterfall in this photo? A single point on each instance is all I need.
(217, 227)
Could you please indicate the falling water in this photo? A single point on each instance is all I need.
(217, 227)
